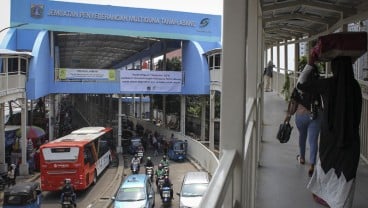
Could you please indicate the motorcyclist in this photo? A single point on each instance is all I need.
(68, 190)
(136, 160)
(159, 172)
(164, 161)
(167, 183)
(149, 162)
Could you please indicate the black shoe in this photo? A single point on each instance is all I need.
(310, 171)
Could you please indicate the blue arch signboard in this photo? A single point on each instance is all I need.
(199, 33)
(105, 19)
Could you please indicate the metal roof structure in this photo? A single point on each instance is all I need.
(289, 20)
(94, 51)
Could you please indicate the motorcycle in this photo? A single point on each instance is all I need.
(140, 154)
(166, 196)
(3, 180)
(167, 170)
(149, 172)
(67, 202)
(160, 181)
(135, 168)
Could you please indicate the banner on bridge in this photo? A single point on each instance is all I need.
(150, 81)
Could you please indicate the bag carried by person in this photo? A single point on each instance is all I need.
(283, 135)
(352, 44)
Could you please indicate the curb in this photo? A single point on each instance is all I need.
(104, 199)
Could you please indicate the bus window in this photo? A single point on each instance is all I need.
(60, 154)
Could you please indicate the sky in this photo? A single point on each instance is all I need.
(196, 6)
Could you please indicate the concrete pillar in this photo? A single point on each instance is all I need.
(296, 63)
(23, 167)
(253, 71)
(286, 57)
(3, 165)
(234, 83)
(163, 124)
(151, 107)
(141, 107)
(182, 114)
(119, 148)
(51, 116)
(278, 84)
(211, 133)
(203, 118)
(134, 107)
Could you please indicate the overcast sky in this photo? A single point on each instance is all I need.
(195, 6)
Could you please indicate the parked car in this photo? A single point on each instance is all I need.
(193, 188)
(135, 191)
(25, 195)
(178, 150)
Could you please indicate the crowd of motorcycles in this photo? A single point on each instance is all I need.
(163, 183)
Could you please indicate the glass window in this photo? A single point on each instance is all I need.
(193, 190)
(217, 61)
(130, 194)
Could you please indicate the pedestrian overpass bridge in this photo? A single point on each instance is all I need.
(252, 169)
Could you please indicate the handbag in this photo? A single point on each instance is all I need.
(283, 135)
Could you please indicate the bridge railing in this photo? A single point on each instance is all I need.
(222, 182)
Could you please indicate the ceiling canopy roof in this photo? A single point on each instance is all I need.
(286, 20)
(92, 51)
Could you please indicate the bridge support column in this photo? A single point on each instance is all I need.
(203, 118)
(182, 114)
(119, 148)
(23, 167)
(212, 121)
(3, 165)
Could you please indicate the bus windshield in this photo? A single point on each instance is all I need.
(60, 154)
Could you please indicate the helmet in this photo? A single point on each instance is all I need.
(148, 158)
(164, 157)
(160, 166)
(67, 181)
(136, 155)
(166, 179)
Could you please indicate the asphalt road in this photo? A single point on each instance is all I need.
(86, 199)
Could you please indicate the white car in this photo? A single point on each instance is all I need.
(193, 188)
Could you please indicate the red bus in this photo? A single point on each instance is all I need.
(81, 156)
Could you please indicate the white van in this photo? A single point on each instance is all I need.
(193, 188)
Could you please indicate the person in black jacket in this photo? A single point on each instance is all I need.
(334, 179)
(68, 190)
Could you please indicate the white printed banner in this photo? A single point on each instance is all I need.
(150, 81)
(86, 74)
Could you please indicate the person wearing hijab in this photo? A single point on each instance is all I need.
(333, 181)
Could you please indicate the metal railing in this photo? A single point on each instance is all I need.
(222, 182)
(12, 82)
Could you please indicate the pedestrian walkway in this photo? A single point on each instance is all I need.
(282, 180)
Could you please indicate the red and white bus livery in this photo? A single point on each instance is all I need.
(81, 156)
